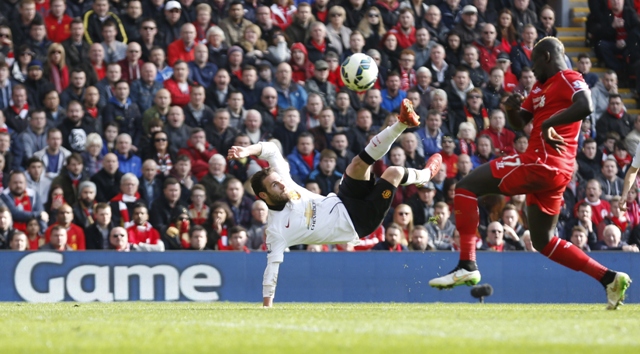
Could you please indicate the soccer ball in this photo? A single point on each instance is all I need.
(359, 72)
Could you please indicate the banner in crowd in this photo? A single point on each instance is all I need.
(304, 277)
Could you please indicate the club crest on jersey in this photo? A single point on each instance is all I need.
(538, 102)
(386, 194)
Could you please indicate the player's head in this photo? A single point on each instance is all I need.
(547, 58)
(269, 186)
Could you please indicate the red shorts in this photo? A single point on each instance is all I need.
(543, 183)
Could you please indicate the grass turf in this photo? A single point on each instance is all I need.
(316, 328)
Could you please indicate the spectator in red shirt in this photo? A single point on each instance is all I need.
(198, 210)
(142, 231)
(600, 208)
(302, 67)
(199, 151)
(503, 139)
(510, 79)
(449, 158)
(75, 234)
(202, 22)
(58, 23)
(58, 240)
(183, 48)
(488, 47)
(282, 12)
(178, 85)
(238, 239)
(406, 35)
(96, 60)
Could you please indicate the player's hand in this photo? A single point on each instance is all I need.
(237, 152)
(554, 139)
(510, 233)
(514, 102)
(623, 202)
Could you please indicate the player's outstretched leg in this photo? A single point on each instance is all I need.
(542, 227)
(381, 143)
(480, 182)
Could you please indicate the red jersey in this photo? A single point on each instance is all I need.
(58, 30)
(75, 237)
(599, 210)
(545, 101)
(143, 234)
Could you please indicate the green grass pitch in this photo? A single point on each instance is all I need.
(317, 328)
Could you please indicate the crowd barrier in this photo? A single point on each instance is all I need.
(304, 277)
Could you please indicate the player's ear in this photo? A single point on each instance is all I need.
(547, 56)
(263, 196)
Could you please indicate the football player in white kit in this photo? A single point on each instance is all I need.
(298, 216)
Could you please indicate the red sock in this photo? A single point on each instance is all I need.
(467, 219)
(570, 256)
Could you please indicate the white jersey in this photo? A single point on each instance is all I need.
(308, 218)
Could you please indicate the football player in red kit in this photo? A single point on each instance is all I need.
(558, 102)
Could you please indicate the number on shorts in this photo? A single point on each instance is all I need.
(507, 161)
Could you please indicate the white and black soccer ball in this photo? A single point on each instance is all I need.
(359, 72)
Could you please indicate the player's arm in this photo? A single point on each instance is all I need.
(240, 152)
(265, 151)
(269, 281)
(581, 107)
(518, 117)
(276, 245)
(630, 179)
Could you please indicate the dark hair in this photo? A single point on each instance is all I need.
(197, 228)
(75, 156)
(109, 23)
(583, 56)
(33, 160)
(53, 130)
(169, 182)
(101, 206)
(579, 229)
(257, 181)
(139, 205)
(236, 229)
(614, 95)
(589, 141)
(305, 135)
(526, 69)
(328, 154)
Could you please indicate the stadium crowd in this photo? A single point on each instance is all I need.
(116, 117)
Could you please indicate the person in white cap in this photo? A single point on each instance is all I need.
(466, 28)
(170, 24)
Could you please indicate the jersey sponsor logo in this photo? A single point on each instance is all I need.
(579, 85)
(386, 194)
(310, 215)
(536, 90)
(539, 102)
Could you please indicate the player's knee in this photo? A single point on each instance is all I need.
(357, 162)
(394, 172)
(540, 240)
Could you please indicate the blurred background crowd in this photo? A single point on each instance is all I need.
(116, 117)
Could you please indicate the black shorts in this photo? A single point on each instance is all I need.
(367, 202)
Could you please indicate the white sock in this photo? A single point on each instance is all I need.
(415, 176)
(381, 143)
